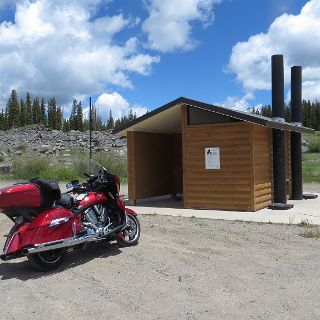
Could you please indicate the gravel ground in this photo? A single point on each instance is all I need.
(182, 268)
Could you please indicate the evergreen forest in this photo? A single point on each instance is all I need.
(23, 112)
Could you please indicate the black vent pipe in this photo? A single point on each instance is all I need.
(296, 153)
(277, 87)
(278, 136)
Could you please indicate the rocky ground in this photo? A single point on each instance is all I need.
(37, 139)
(182, 268)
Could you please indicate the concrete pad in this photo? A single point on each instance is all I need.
(164, 205)
(302, 210)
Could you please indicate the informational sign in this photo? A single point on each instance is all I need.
(212, 156)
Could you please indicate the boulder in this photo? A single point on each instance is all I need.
(5, 168)
(44, 148)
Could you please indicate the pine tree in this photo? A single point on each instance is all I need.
(66, 125)
(73, 115)
(79, 117)
(36, 111)
(23, 113)
(58, 119)
(2, 121)
(13, 110)
(130, 115)
(43, 118)
(52, 113)
(28, 109)
(110, 122)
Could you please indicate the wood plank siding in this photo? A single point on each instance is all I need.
(231, 186)
(262, 144)
(154, 164)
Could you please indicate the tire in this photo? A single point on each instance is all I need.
(131, 233)
(47, 260)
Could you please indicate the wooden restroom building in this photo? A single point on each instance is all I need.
(218, 158)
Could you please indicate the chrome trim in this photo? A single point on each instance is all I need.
(74, 229)
(56, 222)
(7, 245)
(68, 242)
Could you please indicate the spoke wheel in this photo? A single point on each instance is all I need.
(131, 233)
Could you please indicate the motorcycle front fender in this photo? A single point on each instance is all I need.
(130, 212)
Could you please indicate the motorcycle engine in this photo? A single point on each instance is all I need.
(91, 217)
(98, 220)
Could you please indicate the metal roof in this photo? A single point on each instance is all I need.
(239, 115)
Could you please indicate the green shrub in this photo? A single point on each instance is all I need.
(311, 167)
(29, 168)
(315, 233)
(60, 172)
(113, 163)
(314, 146)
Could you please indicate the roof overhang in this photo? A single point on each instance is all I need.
(167, 119)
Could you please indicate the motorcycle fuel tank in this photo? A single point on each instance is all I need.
(93, 198)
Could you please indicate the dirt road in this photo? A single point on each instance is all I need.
(183, 268)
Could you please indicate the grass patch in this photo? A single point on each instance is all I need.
(311, 159)
(60, 172)
(311, 167)
(45, 167)
(113, 163)
(313, 142)
(315, 233)
(306, 224)
(29, 168)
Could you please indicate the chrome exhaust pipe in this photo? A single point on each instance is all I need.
(52, 245)
(70, 242)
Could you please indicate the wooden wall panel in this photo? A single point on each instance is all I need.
(231, 186)
(262, 143)
(154, 164)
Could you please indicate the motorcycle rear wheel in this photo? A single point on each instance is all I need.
(47, 260)
(131, 233)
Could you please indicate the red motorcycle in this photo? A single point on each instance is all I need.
(47, 224)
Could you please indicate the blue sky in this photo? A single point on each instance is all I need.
(142, 54)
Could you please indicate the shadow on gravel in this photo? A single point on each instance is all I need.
(23, 270)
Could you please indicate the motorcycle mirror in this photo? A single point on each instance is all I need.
(72, 184)
(75, 182)
(69, 185)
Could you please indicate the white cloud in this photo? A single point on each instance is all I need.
(169, 25)
(239, 103)
(297, 37)
(118, 105)
(56, 48)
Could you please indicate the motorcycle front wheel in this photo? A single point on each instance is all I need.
(47, 260)
(131, 233)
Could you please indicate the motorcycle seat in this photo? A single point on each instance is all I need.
(65, 201)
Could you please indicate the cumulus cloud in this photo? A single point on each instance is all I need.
(169, 24)
(57, 48)
(118, 105)
(297, 37)
(239, 103)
